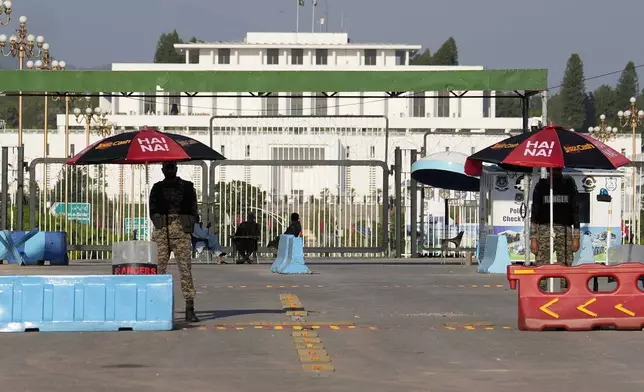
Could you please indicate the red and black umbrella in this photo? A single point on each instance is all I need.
(144, 146)
(549, 147)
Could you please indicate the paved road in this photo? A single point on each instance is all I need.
(411, 327)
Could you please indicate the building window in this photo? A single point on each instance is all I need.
(442, 104)
(370, 56)
(418, 104)
(348, 151)
(174, 104)
(272, 56)
(297, 56)
(222, 150)
(446, 149)
(472, 150)
(72, 149)
(223, 56)
(486, 104)
(400, 57)
(297, 104)
(372, 152)
(298, 196)
(320, 104)
(321, 56)
(149, 104)
(47, 151)
(247, 154)
(271, 105)
(624, 151)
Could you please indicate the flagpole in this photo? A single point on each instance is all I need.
(297, 23)
(313, 16)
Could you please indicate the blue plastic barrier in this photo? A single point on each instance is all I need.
(585, 253)
(282, 252)
(33, 247)
(86, 303)
(295, 264)
(496, 257)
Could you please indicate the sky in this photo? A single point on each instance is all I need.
(498, 34)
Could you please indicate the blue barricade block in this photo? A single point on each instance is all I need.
(496, 257)
(34, 247)
(86, 303)
(585, 253)
(282, 252)
(295, 263)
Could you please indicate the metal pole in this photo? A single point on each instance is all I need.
(297, 17)
(398, 199)
(525, 112)
(21, 60)
(313, 16)
(414, 208)
(5, 188)
(20, 190)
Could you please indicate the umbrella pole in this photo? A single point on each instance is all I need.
(551, 282)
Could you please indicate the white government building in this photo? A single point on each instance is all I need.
(457, 124)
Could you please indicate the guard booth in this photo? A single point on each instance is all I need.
(503, 210)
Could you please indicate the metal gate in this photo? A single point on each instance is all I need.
(336, 218)
(98, 205)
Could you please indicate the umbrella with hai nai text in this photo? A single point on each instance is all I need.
(144, 146)
(549, 147)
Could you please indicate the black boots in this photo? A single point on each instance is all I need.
(190, 311)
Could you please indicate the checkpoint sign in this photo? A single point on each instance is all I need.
(81, 212)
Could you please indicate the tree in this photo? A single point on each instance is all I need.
(627, 87)
(573, 94)
(165, 52)
(605, 101)
(447, 54)
(507, 107)
(554, 109)
(590, 114)
(424, 58)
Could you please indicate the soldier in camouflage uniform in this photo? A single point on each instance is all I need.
(173, 210)
(565, 221)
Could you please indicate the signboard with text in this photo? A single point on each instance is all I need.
(81, 212)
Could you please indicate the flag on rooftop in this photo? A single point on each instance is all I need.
(301, 2)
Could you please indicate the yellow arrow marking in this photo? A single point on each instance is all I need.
(624, 310)
(549, 312)
(582, 308)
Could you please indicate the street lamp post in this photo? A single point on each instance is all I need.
(22, 45)
(93, 119)
(633, 118)
(5, 9)
(602, 132)
(47, 63)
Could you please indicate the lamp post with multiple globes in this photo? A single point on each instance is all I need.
(48, 64)
(601, 132)
(632, 118)
(93, 119)
(23, 46)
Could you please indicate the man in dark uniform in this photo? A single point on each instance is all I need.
(246, 237)
(565, 219)
(295, 228)
(173, 211)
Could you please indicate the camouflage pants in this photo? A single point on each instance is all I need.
(175, 240)
(562, 241)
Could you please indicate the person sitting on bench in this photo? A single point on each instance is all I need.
(295, 228)
(246, 238)
(200, 234)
